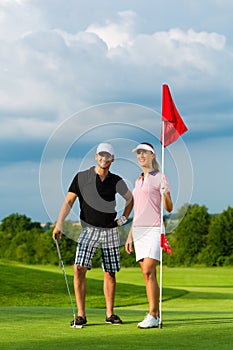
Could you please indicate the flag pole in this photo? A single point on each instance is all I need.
(161, 231)
(173, 129)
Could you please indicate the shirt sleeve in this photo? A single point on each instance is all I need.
(166, 178)
(121, 187)
(74, 186)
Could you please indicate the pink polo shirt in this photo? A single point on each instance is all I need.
(147, 200)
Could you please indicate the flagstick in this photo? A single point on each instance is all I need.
(161, 231)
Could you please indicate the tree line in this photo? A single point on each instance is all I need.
(199, 239)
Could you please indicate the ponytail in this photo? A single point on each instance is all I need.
(155, 164)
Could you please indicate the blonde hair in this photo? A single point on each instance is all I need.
(155, 164)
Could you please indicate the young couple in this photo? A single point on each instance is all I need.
(96, 190)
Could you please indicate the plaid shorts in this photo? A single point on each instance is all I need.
(92, 238)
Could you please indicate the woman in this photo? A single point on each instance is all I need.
(146, 226)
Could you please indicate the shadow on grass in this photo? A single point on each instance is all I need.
(22, 286)
(209, 295)
(176, 319)
(127, 294)
(27, 286)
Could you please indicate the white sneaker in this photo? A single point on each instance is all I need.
(149, 322)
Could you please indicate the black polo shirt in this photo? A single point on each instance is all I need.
(97, 198)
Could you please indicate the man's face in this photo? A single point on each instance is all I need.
(104, 159)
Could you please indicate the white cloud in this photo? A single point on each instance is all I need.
(190, 37)
(50, 74)
(172, 49)
(116, 34)
(18, 17)
(13, 2)
(25, 129)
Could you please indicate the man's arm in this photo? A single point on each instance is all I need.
(123, 190)
(128, 204)
(121, 220)
(64, 211)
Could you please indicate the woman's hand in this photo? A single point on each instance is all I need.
(129, 244)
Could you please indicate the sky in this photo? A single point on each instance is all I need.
(75, 73)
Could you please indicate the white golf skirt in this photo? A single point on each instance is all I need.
(147, 242)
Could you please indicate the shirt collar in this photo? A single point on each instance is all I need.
(153, 173)
(95, 174)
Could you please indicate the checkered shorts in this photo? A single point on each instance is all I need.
(109, 242)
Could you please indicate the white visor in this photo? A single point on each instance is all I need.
(144, 147)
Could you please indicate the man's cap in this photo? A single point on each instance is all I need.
(105, 147)
(144, 147)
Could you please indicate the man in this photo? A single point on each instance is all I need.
(96, 189)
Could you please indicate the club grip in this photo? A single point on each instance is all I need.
(58, 249)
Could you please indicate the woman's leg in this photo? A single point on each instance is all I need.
(148, 267)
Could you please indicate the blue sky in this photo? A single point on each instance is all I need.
(75, 73)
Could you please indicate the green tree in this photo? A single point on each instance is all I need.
(219, 250)
(16, 223)
(45, 249)
(182, 211)
(14, 232)
(190, 237)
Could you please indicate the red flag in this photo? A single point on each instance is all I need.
(164, 244)
(174, 126)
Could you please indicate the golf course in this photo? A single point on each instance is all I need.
(35, 310)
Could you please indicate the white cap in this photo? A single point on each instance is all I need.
(105, 147)
(144, 147)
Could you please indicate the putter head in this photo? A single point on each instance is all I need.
(76, 326)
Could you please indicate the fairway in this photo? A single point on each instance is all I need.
(35, 311)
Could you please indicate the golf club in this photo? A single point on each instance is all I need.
(67, 285)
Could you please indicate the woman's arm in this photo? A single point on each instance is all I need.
(167, 202)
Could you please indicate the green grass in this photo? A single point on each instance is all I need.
(35, 310)
(48, 285)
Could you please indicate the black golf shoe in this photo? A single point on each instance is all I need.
(79, 321)
(113, 319)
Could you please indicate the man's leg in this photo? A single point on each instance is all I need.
(80, 288)
(111, 264)
(109, 291)
(85, 250)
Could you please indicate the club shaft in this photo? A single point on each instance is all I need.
(65, 277)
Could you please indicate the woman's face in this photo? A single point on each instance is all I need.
(145, 158)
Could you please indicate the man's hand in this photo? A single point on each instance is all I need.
(121, 220)
(57, 232)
